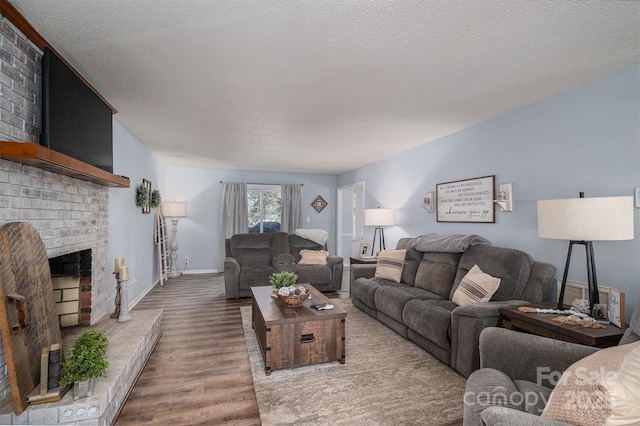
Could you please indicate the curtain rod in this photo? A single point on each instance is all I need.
(262, 183)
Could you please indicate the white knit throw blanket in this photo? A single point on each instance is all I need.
(318, 236)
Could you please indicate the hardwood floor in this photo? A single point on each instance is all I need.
(199, 372)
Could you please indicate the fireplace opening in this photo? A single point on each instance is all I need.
(71, 278)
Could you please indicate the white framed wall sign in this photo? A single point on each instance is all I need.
(469, 200)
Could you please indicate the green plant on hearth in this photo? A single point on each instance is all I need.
(142, 196)
(283, 279)
(86, 358)
(156, 198)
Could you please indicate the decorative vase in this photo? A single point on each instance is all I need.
(82, 388)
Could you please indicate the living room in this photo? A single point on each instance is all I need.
(583, 138)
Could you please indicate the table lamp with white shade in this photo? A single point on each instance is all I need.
(174, 211)
(582, 221)
(379, 218)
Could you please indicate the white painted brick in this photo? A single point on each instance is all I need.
(29, 214)
(6, 189)
(36, 417)
(50, 416)
(57, 295)
(20, 203)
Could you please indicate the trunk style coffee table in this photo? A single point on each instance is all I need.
(292, 337)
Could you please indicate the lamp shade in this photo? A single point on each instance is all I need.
(379, 217)
(174, 209)
(586, 219)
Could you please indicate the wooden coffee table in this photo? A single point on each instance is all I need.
(292, 337)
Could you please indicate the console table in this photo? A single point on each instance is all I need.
(543, 325)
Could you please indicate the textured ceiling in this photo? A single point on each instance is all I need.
(327, 86)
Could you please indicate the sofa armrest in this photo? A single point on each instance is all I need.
(362, 271)
(489, 309)
(528, 357)
(467, 321)
(231, 278)
(333, 261)
(503, 416)
(336, 263)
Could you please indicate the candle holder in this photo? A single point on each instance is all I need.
(116, 313)
(124, 314)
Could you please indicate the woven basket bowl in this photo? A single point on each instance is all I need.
(294, 301)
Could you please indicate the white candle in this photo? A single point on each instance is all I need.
(119, 264)
(124, 273)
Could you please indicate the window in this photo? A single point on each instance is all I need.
(264, 208)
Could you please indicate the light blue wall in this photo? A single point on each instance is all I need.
(200, 188)
(130, 231)
(587, 139)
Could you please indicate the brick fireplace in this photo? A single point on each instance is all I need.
(71, 217)
(69, 214)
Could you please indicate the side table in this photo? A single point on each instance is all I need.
(543, 325)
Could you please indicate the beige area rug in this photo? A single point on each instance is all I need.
(386, 380)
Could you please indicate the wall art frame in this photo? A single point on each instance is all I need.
(319, 204)
(467, 200)
(146, 208)
(365, 250)
(616, 312)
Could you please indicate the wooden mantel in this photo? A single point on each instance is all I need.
(35, 155)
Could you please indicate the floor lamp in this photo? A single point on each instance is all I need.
(174, 211)
(582, 221)
(379, 218)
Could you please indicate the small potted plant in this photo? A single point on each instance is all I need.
(85, 361)
(283, 279)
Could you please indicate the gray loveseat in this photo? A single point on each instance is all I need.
(420, 306)
(252, 258)
(512, 386)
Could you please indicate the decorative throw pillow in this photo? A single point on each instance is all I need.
(475, 287)
(390, 264)
(601, 389)
(313, 257)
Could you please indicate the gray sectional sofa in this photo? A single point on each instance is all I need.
(252, 258)
(420, 308)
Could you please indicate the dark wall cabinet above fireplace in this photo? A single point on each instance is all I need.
(38, 156)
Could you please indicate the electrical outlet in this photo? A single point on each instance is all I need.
(186, 260)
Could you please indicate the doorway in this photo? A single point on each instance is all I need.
(350, 219)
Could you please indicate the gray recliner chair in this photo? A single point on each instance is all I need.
(510, 363)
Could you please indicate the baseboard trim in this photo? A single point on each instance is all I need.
(133, 303)
(200, 271)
